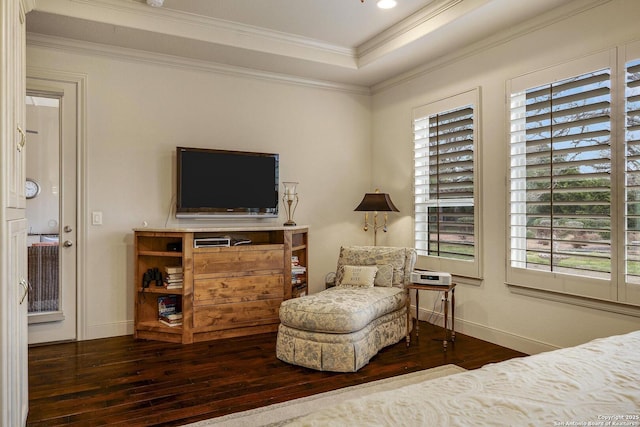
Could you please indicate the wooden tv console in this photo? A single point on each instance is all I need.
(226, 291)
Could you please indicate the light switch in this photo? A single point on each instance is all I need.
(96, 218)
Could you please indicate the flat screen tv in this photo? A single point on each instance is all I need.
(214, 183)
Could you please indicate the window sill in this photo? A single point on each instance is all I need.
(595, 304)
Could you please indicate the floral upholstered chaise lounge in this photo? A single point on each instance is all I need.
(341, 328)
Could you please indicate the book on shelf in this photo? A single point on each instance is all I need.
(171, 324)
(171, 317)
(298, 270)
(169, 312)
(295, 263)
(173, 270)
(168, 304)
(173, 280)
(175, 283)
(174, 319)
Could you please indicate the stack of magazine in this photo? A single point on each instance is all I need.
(169, 312)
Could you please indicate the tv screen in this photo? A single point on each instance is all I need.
(220, 182)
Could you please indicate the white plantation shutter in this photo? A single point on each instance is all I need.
(632, 170)
(575, 178)
(561, 176)
(445, 186)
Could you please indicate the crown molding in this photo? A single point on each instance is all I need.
(412, 28)
(122, 53)
(133, 14)
(542, 21)
(137, 15)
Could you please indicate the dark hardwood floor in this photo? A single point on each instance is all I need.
(122, 381)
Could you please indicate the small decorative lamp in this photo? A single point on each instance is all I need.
(376, 202)
(290, 196)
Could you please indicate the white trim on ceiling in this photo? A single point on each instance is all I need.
(196, 27)
(216, 31)
(376, 56)
(122, 53)
(406, 31)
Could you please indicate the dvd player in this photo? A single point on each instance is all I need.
(433, 278)
(211, 242)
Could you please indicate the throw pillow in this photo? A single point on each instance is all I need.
(359, 275)
(384, 276)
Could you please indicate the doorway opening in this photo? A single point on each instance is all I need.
(51, 209)
(43, 208)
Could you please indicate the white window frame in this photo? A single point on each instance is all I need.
(460, 268)
(613, 290)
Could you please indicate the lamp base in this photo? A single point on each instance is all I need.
(289, 223)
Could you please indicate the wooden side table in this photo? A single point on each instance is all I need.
(449, 335)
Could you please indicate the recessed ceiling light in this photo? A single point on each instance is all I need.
(387, 4)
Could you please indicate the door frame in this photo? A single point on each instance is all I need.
(50, 77)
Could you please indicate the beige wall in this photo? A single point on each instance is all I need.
(490, 310)
(138, 112)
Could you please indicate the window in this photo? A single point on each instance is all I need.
(445, 153)
(561, 176)
(568, 228)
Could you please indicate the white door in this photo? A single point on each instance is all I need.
(51, 209)
(18, 395)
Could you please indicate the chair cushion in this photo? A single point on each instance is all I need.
(341, 309)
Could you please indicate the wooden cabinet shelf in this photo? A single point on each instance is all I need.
(156, 253)
(226, 291)
(154, 325)
(153, 289)
(299, 265)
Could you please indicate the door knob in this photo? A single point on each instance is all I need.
(23, 139)
(27, 287)
(67, 243)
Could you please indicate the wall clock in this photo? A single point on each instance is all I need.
(31, 188)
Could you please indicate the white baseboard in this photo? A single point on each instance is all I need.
(476, 330)
(487, 333)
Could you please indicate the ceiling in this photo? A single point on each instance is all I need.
(340, 41)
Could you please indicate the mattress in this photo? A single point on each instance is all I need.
(597, 383)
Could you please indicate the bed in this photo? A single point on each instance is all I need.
(597, 383)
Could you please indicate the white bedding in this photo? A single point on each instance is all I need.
(597, 383)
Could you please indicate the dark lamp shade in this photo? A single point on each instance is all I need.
(380, 202)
